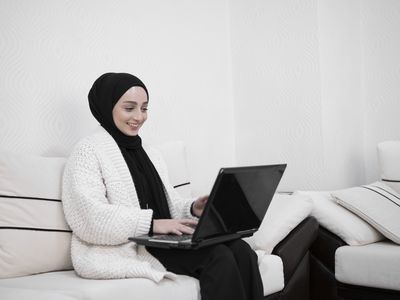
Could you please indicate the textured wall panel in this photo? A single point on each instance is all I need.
(315, 83)
(340, 57)
(299, 92)
(52, 51)
(277, 88)
(381, 44)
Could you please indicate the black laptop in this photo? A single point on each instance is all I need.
(236, 207)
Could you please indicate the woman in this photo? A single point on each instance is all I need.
(115, 188)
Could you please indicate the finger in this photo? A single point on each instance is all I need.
(177, 232)
(186, 230)
(188, 221)
(202, 201)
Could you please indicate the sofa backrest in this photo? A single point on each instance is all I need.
(174, 154)
(34, 236)
(389, 162)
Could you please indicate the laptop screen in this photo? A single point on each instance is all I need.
(239, 200)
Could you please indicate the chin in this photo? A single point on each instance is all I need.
(132, 133)
(129, 132)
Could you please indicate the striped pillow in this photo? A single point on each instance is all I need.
(389, 161)
(34, 236)
(377, 204)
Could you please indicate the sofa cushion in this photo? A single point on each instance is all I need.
(389, 161)
(26, 175)
(67, 282)
(181, 288)
(340, 221)
(271, 270)
(32, 294)
(377, 204)
(34, 236)
(375, 265)
(283, 215)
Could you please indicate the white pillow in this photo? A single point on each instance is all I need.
(340, 221)
(34, 236)
(283, 215)
(389, 161)
(377, 204)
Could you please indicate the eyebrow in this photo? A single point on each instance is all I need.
(134, 102)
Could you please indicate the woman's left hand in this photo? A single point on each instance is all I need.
(198, 205)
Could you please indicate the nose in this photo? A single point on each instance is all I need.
(138, 115)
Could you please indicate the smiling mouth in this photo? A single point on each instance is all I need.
(133, 126)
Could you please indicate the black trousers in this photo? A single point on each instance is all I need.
(225, 271)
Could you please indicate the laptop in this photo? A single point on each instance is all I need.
(235, 208)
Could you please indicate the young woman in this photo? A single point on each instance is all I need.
(115, 188)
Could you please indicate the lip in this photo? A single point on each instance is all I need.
(134, 125)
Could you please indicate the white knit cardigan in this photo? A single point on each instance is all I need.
(102, 208)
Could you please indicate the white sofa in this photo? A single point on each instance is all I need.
(35, 251)
(357, 252)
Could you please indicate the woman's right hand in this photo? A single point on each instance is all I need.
(174, 226)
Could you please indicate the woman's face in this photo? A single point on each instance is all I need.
(130, 112)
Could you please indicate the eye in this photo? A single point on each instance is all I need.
(128, 108)
(144, 109)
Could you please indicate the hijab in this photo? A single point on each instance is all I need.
(104, 94)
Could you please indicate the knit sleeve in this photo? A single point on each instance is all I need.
(181, 207)
(87, 209)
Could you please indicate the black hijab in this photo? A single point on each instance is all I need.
(104, 94)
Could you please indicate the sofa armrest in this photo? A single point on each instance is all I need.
(324, 247)
(296, 244)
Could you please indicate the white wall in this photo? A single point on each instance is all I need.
(296, 70)
(314, 83)
(381, 75)
(341, 93)
(52, 51)
(276, 84)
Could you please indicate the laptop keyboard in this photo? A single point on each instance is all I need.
(171, 237)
